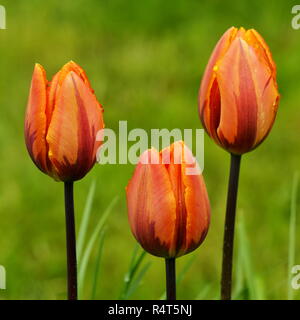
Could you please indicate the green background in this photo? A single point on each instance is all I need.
(145, 60)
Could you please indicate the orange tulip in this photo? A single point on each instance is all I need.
(62, 119)
(238, 97)
(168, 209)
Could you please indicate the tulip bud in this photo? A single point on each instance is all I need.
(62, 119)
(238, 97)
(168, 209)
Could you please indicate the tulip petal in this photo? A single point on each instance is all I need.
(255, 40)
(209, 77)
(76, 118)
(214, 106)
(174, 153)
(196, 202)
(52, 89)
(192, 205)
(57, 81)
(238, 124)
(267, 95)
(151, 206)
(35, 119)
(72, 66)
(267, 111)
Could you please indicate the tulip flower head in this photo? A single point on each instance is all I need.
(168, 209)
(238, 97)
(62, 119)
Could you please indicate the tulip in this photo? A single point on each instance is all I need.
(238, 101)
(62, 119)
(168, 209)
(238, 97)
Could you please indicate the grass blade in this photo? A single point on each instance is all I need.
(292, 234)
(246, 263)
(182, 273)
(97, 265)
(239, 278)
(138, 279)
(90, 245)
(134, 255)
(133, 267)
(85, 219)
(204, 292)
(185, 269)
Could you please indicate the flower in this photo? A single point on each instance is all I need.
(168, 209)
(238, 97)
(62, 119)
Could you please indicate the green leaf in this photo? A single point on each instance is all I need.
(204, 292)
(135, 263)
(90, 245)
(182, 274)
(138, 279)
(85, 220)
(292, 234)
(97, 265)
(246, 263)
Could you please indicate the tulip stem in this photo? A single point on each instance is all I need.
(226, 280)
(171, 278)
(71, 241)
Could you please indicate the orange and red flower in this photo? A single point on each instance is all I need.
(168, 209)
(238, 97)
(62, 119)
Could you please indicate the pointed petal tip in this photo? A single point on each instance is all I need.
(39, 69)
(38, 66)
(69, 64)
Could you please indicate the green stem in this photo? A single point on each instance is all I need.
(226, 281)
(171, 278)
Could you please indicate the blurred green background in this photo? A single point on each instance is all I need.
(145, 60)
